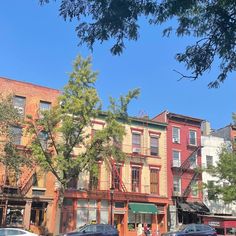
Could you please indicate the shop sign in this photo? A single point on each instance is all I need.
(214, 223)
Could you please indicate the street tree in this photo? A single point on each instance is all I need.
(212, 23)
(12, 159)
(225, 171)
(63, 128)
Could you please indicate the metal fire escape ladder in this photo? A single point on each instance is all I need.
(28, 181)
(114, 171)
(189, 187)
(187, 163)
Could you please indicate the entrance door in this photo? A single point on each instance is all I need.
(119, 223)
(1, 216)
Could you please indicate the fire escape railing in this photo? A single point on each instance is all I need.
(27, 182)
(116, 174)
(188, 189)
(187, 163)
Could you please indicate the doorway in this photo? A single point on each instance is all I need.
(119, 223)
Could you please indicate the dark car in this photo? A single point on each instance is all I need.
(95, 230)
(193, 230)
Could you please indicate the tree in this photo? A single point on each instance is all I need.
(64, 128)
(13, 159)
(212, 22)
(226, 172)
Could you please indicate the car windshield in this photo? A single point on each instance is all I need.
(182, 227)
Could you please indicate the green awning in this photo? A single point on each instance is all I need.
(143, 208)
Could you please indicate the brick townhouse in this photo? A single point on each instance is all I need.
(28, 201)
(183, 161)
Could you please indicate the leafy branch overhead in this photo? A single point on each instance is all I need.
(212, 23)
(61, 138)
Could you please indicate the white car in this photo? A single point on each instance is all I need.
(15, 232)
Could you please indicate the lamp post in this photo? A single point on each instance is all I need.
(111, 195)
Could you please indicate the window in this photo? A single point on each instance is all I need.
(194, 187)
(211, 191)
(177, 184)
(43, 139)
(93, 182)
(176, 135)
(136, 142)
(154, 181)
(209, 161)
(16, 135)
(44, 106)
(192, 137)
(176, 158)
(19, 104)
(193, 161)
(154, 145)
(136, 174)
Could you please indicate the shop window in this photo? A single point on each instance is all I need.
(220, 231)
(104, 212)
(16, 134)
(19, 105)
(38, 213)
(176, 135)
(154, 145)
(154, 181)
(136, 176)
(14, 217)
(176, 158)
(231, 231)
(193, 137)
(136, 142)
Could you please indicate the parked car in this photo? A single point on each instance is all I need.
(95, 230)
(193, 230)
(15, 232)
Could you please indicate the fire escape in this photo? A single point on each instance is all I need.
(116, 179)
(188, 166)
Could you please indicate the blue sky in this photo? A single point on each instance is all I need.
(38, 46)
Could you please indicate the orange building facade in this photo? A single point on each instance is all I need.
(27, 201)
(127, 193)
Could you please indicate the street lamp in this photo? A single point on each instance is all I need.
(111, 195)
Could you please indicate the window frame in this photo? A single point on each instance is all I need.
(136, 187)
(191, 131)
(155, 147)
(179, 158)
(207, 161)
(155, 185)
(19, 106)
(179, 184)
(174, 138)
(136, 146)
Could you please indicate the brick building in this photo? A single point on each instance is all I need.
(140, 187)
(183, 160)
(28, 201)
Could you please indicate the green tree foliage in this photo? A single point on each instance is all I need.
(226, 172)
(212, 22)
(66, 126)
(10, 156)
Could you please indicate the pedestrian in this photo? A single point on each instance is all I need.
(140, 230)
(146, 229)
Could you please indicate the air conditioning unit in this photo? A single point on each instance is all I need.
(175, 140)
(19, 109)
(136, 150)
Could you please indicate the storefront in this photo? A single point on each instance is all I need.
(124, 215)
(224, 225)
